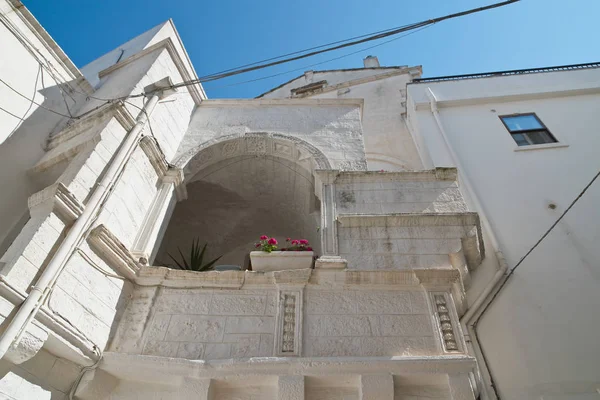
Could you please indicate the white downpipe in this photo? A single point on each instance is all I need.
(502, 264)
(29, 307)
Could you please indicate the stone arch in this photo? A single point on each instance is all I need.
(240, 187)
(256, 143)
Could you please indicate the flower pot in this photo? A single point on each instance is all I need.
(280, 260)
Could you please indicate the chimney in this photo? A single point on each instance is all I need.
(371, 62)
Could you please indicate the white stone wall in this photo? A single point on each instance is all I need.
(388, 143)
(332, 127)
(22, 142)
(342, 323)
(209, 324)
(389, 193)
(43, 377)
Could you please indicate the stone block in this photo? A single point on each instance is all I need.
(337, 325)
(191, 351)
(250, 325)
(418, 301)
(217, 351)
(243, 346)
(238, 304)
(389, 302)
(62, 374)
(376, 387)
(405, 325)
(329, 302)
(158, 328)
(290, 387)
(159, 348)
(184, 304)
(266, 345)
(188, 328)
(331, 346)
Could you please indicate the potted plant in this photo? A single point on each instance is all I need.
(195, 262)
(267, 257)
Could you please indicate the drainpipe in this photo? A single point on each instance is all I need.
(28, 309)
(502, 264)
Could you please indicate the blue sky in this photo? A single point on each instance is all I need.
(222, 34)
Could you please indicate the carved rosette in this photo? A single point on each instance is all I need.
(289, 323)
(288, 341)
(446, 325)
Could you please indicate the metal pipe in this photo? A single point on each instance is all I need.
(29, 307)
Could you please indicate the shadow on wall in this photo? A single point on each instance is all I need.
(20, 152)
(230, 208)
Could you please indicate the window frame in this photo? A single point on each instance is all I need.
(524, 132)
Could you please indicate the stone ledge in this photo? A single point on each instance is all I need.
(162, 369)
(113, 251)
(173, 278)
(437, 174)
(57, 198)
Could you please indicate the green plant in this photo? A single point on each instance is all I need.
(195, 260)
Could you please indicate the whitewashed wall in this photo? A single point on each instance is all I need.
(22, 142)
(538, 333)
(388, 144)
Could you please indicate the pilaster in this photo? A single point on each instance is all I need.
(376, 387)
(460, 387)
(290, 311)
(325, 190)
(290, 387)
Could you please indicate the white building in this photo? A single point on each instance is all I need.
(417, 194)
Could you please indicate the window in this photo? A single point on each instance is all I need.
(527, 129)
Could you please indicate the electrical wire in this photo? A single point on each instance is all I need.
(9, 113)
(512, 271)
(322, 62)
(247, 67)
(37, 77)
(414, 26)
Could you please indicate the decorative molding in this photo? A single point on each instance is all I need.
(331, 262)
(288, 337)
(290, 148)
(102, 241)
(283, 102)
(195, 90)
(74, 74)
(76, 127)
(298, 277)
(55, 198)
(162, 369)
(155, 155)
(175, 176)
(437, 174)
(446, 323)
(506, 98)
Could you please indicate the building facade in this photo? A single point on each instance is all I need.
(417, 195)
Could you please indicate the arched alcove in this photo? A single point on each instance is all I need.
(241, 188)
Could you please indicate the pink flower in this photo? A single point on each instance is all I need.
(303, 241)
(257, 245)
(309, 249)
(288, 239)
(272, 241)
(264, 237)
(294, 242)
(381, 170)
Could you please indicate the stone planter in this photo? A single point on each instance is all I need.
(280, 260)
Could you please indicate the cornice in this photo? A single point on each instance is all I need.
(162, 369)
(116, 109)
(103, 242)
(478, 100)
(55, 198)
(51, 46)
(167, 44)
